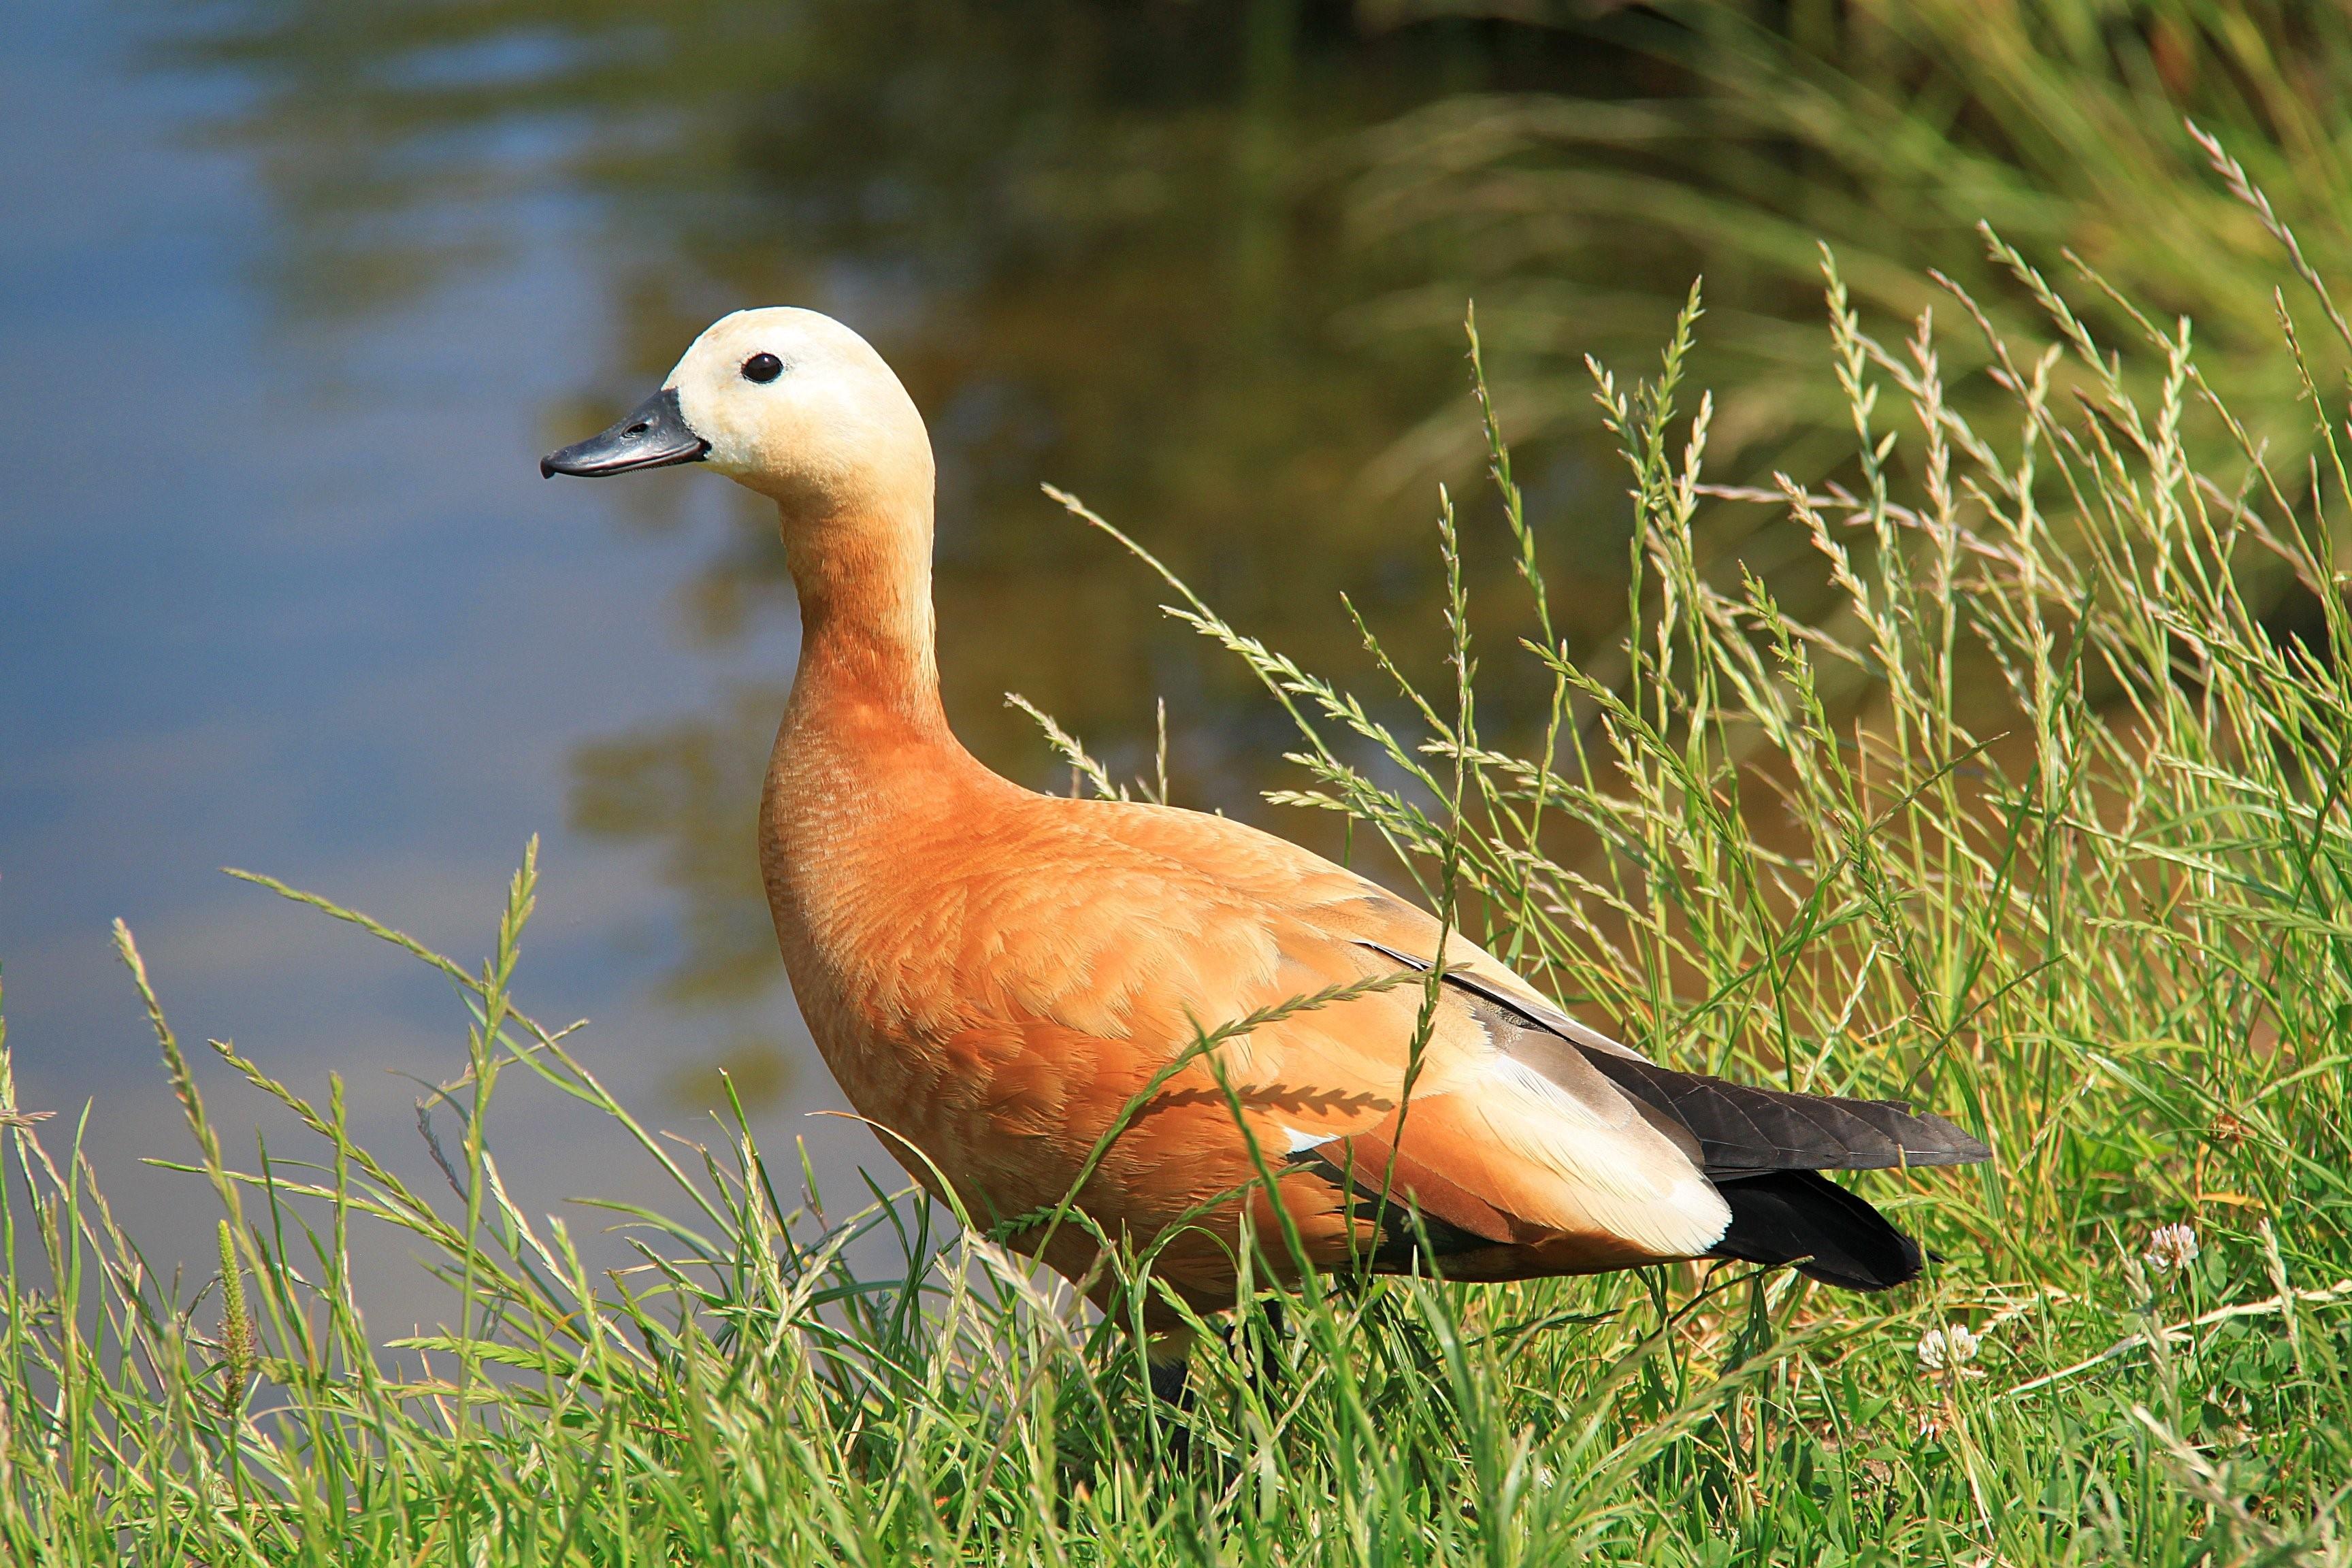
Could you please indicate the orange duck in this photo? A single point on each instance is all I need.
(997, 976)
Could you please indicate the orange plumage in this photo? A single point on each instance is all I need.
(994, 975)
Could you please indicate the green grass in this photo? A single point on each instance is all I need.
(2038, 827)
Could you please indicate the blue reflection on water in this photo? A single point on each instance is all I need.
(297, 599)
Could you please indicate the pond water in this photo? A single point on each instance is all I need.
(295, 293)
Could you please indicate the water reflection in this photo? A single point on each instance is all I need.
(1102, 244)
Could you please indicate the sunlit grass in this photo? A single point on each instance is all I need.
(2038, 827)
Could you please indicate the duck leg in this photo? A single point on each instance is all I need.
(1171, 1384)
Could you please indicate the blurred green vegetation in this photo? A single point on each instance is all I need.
(1203, 262)
(1890, 130)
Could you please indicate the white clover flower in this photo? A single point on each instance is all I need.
(1949, 1350)
(2170, 1247)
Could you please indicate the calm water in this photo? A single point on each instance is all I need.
(294, 294)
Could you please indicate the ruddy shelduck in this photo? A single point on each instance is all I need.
(996, 977)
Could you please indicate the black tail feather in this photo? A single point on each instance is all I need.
(1783, 1217)
(1744, 1130)
(1764, 1150)
(1762, 1147)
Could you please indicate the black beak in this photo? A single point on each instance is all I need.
(654, 435)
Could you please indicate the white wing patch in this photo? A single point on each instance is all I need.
(1620, 1177)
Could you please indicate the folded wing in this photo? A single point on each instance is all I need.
(1757, 1151)
(1529, 1143)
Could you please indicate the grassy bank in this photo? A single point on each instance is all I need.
(2040, 826)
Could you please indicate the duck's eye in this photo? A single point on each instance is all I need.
(762, 368)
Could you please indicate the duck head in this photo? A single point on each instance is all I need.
(786, 402)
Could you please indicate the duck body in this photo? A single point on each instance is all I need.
(995, 977)
(1000, 979)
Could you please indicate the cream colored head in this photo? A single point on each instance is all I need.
(831, 428)
(787, 402)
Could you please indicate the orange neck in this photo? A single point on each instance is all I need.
(868, 682)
